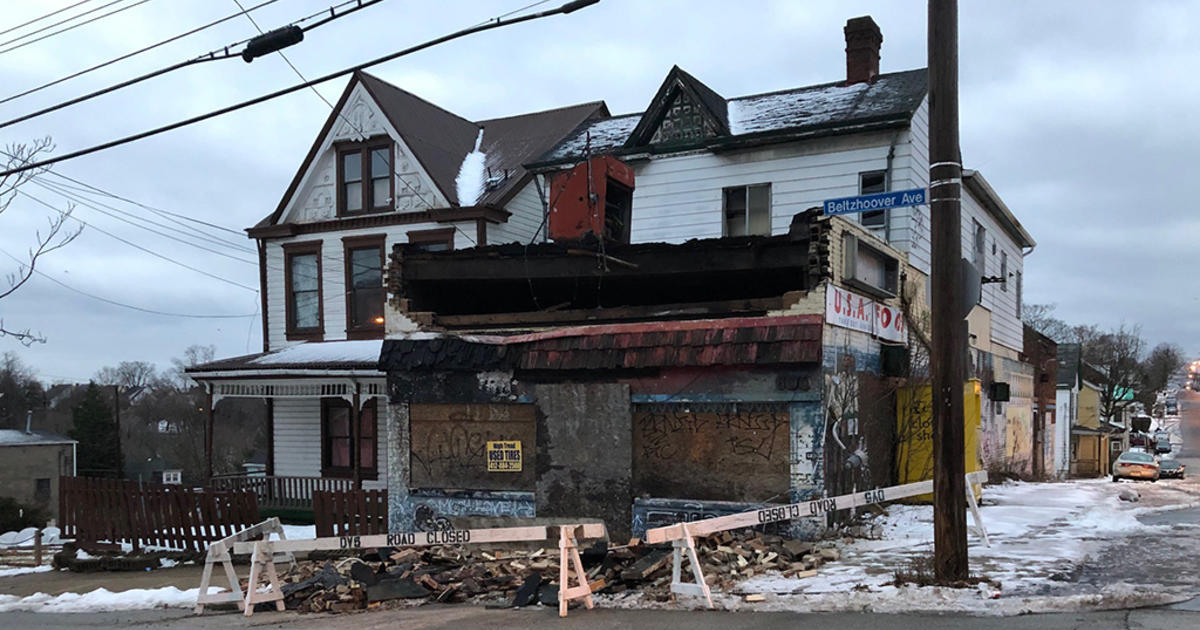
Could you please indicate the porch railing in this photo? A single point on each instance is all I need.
(282, 492)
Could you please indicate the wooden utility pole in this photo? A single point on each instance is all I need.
(949, 334)
(117, 422)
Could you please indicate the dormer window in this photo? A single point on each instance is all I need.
(365, 181)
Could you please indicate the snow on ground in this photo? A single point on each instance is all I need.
(294, 532)
(1039, 533)
(101, 600)
(7, 571)
(25, 537)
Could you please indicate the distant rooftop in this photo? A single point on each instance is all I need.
(16, 437)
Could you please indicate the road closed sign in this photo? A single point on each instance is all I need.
(503, 456)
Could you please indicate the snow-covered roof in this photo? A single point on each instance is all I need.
(830, 106)
(312, 355)
(16, 437)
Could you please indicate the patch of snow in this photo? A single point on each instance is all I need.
(300, 532)
(101, 600)
(167, 563)
(470, 182)
(24, 538)
(83, 555)
(605, 135)
(325, 352)
(7, 571)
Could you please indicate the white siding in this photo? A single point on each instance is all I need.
(298, 439)
(333, 275)
(526, 219)
(679, 197)
(910, 169)
(1000, 300)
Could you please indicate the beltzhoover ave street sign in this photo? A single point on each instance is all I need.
(877, 201)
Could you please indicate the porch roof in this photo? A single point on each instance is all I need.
(707, 342)
(318, 355)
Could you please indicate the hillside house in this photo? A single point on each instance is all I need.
(31, 463)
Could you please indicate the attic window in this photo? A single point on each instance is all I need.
(682, 122)
(365, 182)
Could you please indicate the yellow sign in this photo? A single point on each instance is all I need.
(914, 414)
(504, 456)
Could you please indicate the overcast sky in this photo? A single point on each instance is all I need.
(1080, 114)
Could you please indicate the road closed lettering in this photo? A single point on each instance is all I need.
(448, 537)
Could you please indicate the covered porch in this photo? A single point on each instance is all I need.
(324, 403)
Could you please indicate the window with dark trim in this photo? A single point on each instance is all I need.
(869, 269)
(365, 181)
(302, 281)
(337, 439)
(365, 293)
(747, 210)
(42, 489)
(870, 183)
(439, 240)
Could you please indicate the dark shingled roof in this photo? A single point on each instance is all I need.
(1068, 364)
(819, 109)
(734, 341)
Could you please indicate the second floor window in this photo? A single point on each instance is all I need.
(302, 271)
(748, 210)
(870, 183)
(365, 293)
(365, 177)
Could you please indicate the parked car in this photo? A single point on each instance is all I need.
(1162, 442)
(1135, 465)
(1172, 468)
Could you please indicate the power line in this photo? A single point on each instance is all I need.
(215, 55)
(122, 304)
(71, 27)
(564, 9)
(139, 247)
(42, 17)
(86, 204)
(134, 53)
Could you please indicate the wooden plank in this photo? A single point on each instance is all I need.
(615, 313)
(806, 509)
(408, 539)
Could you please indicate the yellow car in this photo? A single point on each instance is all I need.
(1135, 465)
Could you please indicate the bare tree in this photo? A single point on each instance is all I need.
(127, 374)
(1041, 318)
(1163, 361)
(1118, 354)
(194, 355)
(53, 237)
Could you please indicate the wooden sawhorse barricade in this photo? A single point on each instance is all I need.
(263, 553)
(682, 535)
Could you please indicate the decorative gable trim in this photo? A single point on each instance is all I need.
(683, 111)
(355, 117)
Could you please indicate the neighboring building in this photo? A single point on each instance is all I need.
(382, 171)
(1041, 353)
(1077, 404)
(640, 318)
(31, 463)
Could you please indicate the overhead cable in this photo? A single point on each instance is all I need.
(564, 9)
(122, 304)
(43, 17)
(215, 55)
(71, 27)
(134, 53)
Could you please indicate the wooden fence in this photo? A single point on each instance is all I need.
(142, 514)
(350, 512)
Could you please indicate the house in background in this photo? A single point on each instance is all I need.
(31, 463)
(1041, 353)
(385, 169)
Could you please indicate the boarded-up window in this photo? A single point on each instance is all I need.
(711, 452)
(449, 446)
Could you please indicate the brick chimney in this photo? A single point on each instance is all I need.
(862, 50)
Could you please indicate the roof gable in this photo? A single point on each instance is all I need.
(683, 111)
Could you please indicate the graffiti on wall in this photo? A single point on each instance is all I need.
(808, 450)
(847, 465)
(449, 444)
(723, 452)
(433, 511)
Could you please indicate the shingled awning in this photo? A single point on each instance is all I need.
(693, 343)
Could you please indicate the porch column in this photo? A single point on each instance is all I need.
(270, 437)
(355, 463)
(208, 436)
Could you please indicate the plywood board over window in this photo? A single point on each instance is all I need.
(449, 445)
(726, 452)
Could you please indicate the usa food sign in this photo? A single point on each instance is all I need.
(856, 312)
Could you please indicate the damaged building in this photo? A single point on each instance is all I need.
(643, 318)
